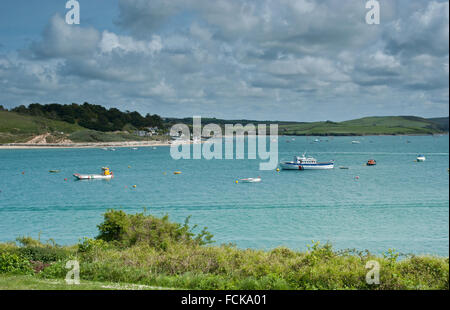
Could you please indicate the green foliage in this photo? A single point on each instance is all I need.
(91, 116)
(14, 264)
(87, 245)
(143, 249)
(29, 242)
(56, 270)
(127, 230)
(44, 254)
(98, 136)
(391, 256)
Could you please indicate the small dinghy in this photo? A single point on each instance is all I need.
(251, 180)
(421, 158)
(106, 175)
(371, 162)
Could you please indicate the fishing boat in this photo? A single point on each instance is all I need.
(106, 175)
(251, 180)
(421, 158)
(371, 162)
(306, 163)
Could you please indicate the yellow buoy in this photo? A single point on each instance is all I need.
(237, 181)
(278, 169)
(134, 186)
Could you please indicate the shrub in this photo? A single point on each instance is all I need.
(13, 263)
(28, 241)
(44, 254)
(88, 245)
(130, 229)
(55, 271)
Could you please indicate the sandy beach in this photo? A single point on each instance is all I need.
(83, 145)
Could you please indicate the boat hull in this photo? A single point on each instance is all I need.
(296, 166)
(92, 176)
(250, 180)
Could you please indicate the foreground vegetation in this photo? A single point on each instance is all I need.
(144, 250)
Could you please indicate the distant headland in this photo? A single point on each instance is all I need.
(56, 124)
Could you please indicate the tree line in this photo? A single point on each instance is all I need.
(91, 116)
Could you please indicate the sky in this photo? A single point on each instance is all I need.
(292, 60)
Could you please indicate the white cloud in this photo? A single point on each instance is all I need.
(181, 57)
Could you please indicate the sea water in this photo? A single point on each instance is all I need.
(399, 203)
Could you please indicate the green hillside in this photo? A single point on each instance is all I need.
(18, 128)
(383, 125)
(21, 128)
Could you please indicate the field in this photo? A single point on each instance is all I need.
(21, 128)
(388, 125)
(140, 249)
(18, 128)
(385, 125)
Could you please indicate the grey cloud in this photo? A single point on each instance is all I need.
(62, 40)
(224, 57)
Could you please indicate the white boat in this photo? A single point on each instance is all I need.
(106, 175)
(306, 163)
(355, 142)
(421, 158)
(316, 140)
(251, 180)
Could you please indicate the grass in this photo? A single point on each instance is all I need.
(98, 136)
(17, 128)
(384, 125)
(21, 128)
(387, 125)
(21, 282)
(144, 250)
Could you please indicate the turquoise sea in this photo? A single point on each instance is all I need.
(397, 204)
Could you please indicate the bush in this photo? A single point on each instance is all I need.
(55, 271)
(15, 264)
(88, 245)
(130, 229)
(44, 254)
